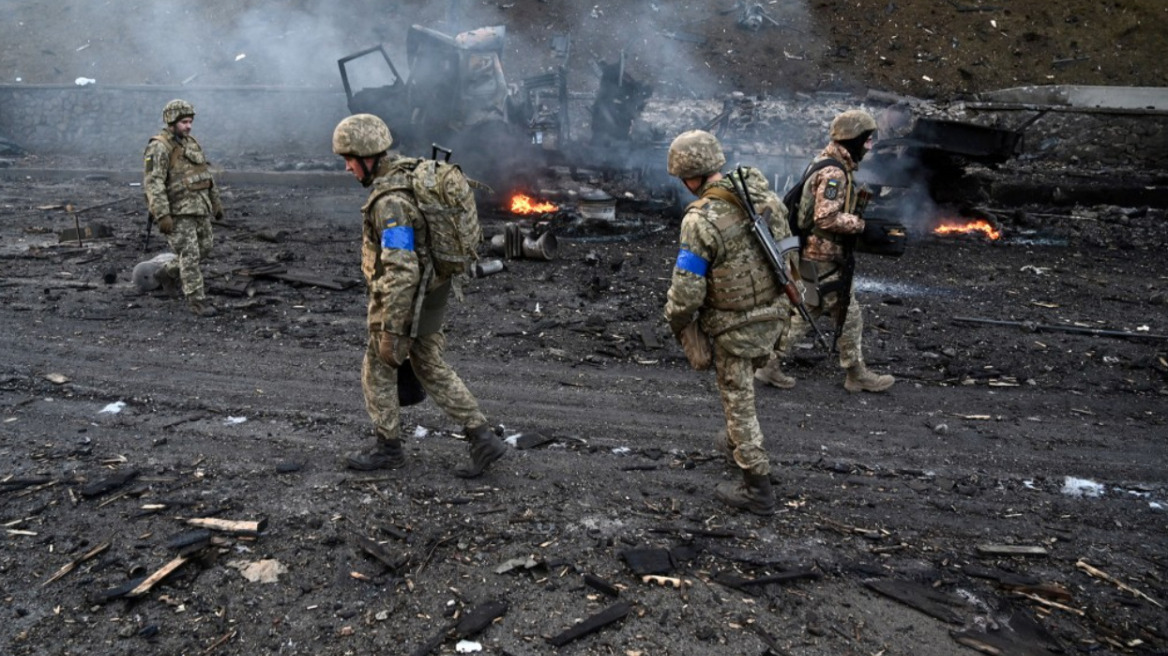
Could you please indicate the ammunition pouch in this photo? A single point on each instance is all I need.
(696, 346)
(738, 289)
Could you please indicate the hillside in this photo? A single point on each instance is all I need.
(933, 50)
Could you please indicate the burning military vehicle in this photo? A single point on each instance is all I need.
(456, 94)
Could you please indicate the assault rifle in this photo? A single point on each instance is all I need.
(850, 242)
(762, 231)
(149, 224)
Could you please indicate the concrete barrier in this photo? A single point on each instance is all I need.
(115, 122)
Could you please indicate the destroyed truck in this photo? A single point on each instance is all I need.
(454, 95)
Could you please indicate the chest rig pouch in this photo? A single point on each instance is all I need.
(189, 169)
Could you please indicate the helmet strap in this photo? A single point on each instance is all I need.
(368, 171)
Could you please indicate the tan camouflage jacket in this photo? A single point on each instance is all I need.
(393, 250)
(833, 195)
(722, 275)
(177, 178)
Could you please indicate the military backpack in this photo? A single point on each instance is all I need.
(446, 201)
(801, 227)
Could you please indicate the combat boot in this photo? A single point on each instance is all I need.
(861, 379)
(202, 308)
(722, 446)
(485, 448)
(772, 374)
(386, 454)
(753, 494)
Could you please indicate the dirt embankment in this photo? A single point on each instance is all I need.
(931, 50)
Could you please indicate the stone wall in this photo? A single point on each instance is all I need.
(115, 122)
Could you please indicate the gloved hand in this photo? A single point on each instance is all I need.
(696, 346)
(219, 215)
(166, 225)
(393, 349)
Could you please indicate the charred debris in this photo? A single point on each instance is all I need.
(539, 138)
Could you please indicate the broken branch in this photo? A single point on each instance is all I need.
(1100, 574)
(1047, 602)
(72, 565)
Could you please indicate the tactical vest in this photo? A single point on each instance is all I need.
(189, 172)
(744, 281)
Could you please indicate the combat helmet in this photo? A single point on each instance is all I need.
(175, 110)
(851, 124)
(694, 154)
(361, 135)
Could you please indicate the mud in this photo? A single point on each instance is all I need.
(244, 416)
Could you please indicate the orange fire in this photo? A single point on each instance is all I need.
(521, 204)
(969, 227)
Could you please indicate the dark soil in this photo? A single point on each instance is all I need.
(972, 447)
(981, 444)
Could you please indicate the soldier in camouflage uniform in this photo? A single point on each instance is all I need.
(182, 198)
(722, 281)
(830, 204)
(396, 264)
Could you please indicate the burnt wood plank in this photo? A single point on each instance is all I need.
(600, 585)
(371, 547)
(156, 578)
(98, 488)
(935, 604)
(235, 527)
(479, 618)
(613, 613)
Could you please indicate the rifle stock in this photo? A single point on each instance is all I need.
(762, 231)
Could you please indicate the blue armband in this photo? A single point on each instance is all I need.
(399, 238)
(695, 264)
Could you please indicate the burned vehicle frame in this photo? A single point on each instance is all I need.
(455, 93)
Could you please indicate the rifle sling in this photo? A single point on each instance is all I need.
(724, 194)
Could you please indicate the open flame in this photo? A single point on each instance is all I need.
(522, 204)
(953, 227)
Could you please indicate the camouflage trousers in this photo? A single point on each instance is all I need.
(736, 387)
(850, 348)
(191, 242)
(442, 384)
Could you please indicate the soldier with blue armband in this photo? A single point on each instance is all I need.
(723, 299)
(408, 287)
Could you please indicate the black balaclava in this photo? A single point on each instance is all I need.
(855, 145)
